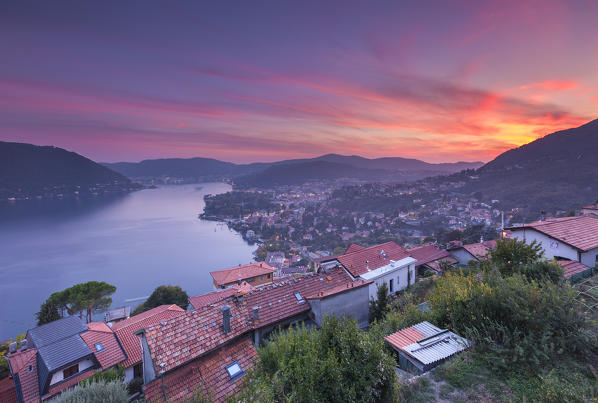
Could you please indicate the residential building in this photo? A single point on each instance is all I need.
(423, 346)
(60, 354)
(116, 315)
(475, 251)
(567, 238)
(429, 257)
(385, 263)
(591, 209)
(253, 273)
(210, 347)
(125, 332)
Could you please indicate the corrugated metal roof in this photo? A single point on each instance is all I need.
(427, 343)
(57, 330)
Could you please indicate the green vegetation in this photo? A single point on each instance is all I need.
(85, 298)
(379, 307)
(337, 363)
(110, 392)
(236, 204)
(4, 371)
(164, 295)
(533, 339)
(109, 375)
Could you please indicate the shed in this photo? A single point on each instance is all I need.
(423, 346)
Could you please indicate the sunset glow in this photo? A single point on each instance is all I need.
(269, 81)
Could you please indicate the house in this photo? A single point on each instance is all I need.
(591, 209)
(567, 238)
(475, 251)
(423, 346)
(210, 347)
(254, 273)
(125, 332)
(60, 354)
(573, 270)
(275, 259)
(429, 257)
(385, 263)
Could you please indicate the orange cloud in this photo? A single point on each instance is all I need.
(552, 85)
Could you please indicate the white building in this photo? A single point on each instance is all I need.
(567, 238)
(385, 263)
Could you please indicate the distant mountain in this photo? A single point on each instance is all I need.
(555, 172)
(325, 167)
(26, 169)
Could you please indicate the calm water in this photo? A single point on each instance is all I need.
(135, 242)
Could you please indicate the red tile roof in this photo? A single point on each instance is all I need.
(277, 301)
(581, 232)
(480, 250)
(352, 285)
(19, 363)
(192, 334)
(208, 373)
(8, 393)
(427, 253)
(354, 248)
(188, 336)
(355, 262)
(405, 337)
(234, 274)
(111, 352)
(591, 207)
(125, 330)
(206, 299)
(571, 267)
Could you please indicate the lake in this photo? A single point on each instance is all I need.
(136, 242)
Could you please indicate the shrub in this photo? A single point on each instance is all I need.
(109, 375)
(337, 363)
(111, 392)
(135, 386)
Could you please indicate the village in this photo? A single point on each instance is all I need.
(173, 353)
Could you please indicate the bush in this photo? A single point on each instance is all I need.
(337, 363)
(531, 321)
(135, 386)
(110, 375)
(164, 295)
(111, 392)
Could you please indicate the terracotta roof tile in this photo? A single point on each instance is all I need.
(352, 285)
(125, 330)
(405, 337)
(427, 253)
(68, 384)
(208, 373)
(8, 393)
(480, 250)
(375, 256)
(210, 298)
(581, 232)
(354, 248)
(111, 353)
(227, 276)
(19, 363)
(571, 267)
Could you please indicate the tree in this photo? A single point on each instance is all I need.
(84, 298)
(337, 363)
(379, 307)
(511, 254)
(48, 312)
(164, 295)
(339, 250)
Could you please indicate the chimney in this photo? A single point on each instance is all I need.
(12, 347)
(256, 315)
(367, 265)
(542, 215)
(226, 318)
(23, 344)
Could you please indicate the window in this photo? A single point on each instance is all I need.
(261, 278)
(390, 288)
(251, 280)
(138, 371)
(298, 296)
(269, 275)
(29, 368)
(234, 370)
(98, 346)
(70, 371)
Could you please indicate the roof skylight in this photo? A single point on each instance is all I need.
(234, 370)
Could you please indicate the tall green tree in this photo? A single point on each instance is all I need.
(48, 312)
(84, 299)
(164, 295)
(379, 307)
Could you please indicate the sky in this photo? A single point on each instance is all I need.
(246, 81)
